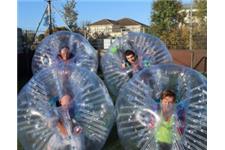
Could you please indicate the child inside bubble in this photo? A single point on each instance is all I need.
(131, 61)
(64, 54)
(64, 104)
(164, 129)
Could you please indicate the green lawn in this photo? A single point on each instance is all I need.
(113, 142)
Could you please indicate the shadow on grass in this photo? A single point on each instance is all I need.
(113, 142)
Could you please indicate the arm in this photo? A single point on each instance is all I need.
(151, 123)
(61, 128)
(55, 121)
(123, 66)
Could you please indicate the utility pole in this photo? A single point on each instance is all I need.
(50, 16)
(190, 38)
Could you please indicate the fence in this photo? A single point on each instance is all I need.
(196, 59)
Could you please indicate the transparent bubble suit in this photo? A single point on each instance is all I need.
(149, 49)
(91, 110)
(82, 53)
(138, 107)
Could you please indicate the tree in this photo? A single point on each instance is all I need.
(200, 31)
(55, 30)
(70, 14)
(20, 40)
(201, 14)
(84, 24)
(166, 17)
(28, 37)
(84, 30)
(40, 37)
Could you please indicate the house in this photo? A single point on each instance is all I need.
(116, 28)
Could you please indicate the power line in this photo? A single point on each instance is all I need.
(58, 12)
(39, 24)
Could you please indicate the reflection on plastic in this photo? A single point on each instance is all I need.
(86, 121)
(138, 109)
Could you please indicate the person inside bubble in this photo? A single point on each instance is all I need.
(131, 61)
(164, 129)
(64, 54)
(64, 102)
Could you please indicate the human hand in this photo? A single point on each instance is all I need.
(123, 66)
(65, 100)
(62, 129)
(151, 123)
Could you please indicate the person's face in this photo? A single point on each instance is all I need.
(65, 100)
(64, 53)
(130, 58)
(167, 104)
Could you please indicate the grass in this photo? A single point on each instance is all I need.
(113, 142)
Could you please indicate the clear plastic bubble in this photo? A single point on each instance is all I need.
(64, 107)
(80, 51)
(140, 121)
(148, 50)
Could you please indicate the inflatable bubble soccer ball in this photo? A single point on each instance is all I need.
(147, 118)
(48, 52)
(64, 107)
(146, 51)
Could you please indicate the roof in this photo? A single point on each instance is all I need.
(104, 22)
(128, 21)
(122, 22)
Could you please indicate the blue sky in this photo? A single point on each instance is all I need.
(29, 12)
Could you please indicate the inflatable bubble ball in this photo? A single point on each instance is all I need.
(64, 107)
(130, 54)
(64, 46)
(163, 107)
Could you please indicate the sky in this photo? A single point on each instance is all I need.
(29, 12)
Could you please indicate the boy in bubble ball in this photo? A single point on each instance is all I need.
(64, 54)
(131, 61)
(164, 130)
(64, 102)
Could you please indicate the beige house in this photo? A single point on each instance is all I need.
(116, 28)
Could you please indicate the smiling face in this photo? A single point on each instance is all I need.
(130, 58)
(64, 53)
(167, 104)
(168, 99)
